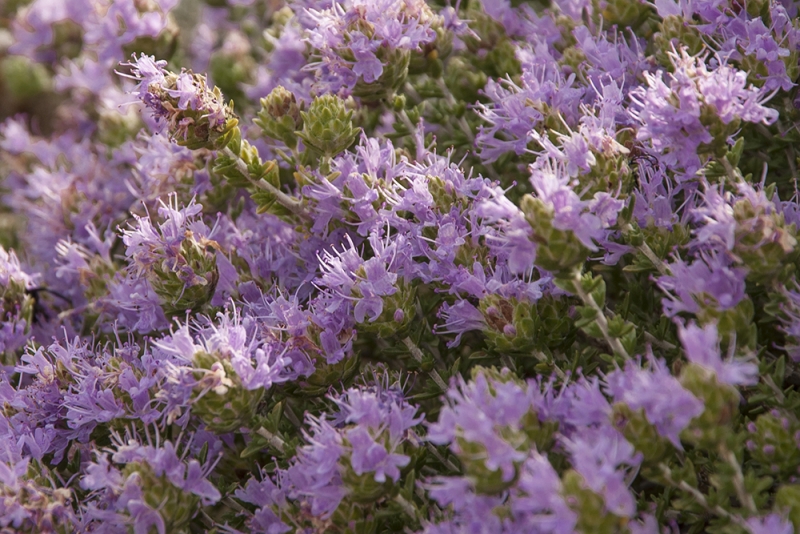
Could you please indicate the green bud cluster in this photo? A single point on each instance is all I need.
(521, 327)
(610, 172)
(164, 45)
(642, 434)
(363, 489)
(721, 401)
(626, 14)
(773, 442)
(395, 72)
(787, 499)
(15, 300)
(557, 250)
(674, 31)
(327, 374)
(22, 79)
(328, 126)
(176, 506)
(279, 117)
(187, 282)
(590, 507)
(763, 242)
(491, 51)
(733, 324)
(720, 132)
(197, 128)
(220, 400)
(398, 312)
(429, 59)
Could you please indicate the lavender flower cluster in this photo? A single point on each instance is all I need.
(370, 266)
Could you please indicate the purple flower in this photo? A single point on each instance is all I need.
(552, 185)
(701, 345)
(580, 403)
(489, 413)
(361, 440)
(670, 111)
(598, 454)
(12, 274)
(232, 338)
(349, 278)
(538, 502)
(515, 112)
(169, 96)
(351, 35)
(770, 524)
(512, 241)
(708, 281)
(269, 498)
(458, 319)
(666, 404)
(149, 465)
(29, 502)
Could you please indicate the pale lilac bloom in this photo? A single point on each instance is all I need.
(708, 281)
(669, 109)
(373, 422)
(701, 346)
(479, 412)
(458, 319)
(338, 33)
(269, 498)
(538, 501)
(553, 187)
(770, 524)
(600, 455)
(666, 404)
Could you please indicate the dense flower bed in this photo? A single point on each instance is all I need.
(367, 266)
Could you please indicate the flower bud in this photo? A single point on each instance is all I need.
(328, 126)
(279, 116)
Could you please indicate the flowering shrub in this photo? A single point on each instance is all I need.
(367, 266)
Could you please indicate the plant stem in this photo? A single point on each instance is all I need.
(291, 204)
(738, 480)
(272, 439)
(600, 319)
(416, 353)
(698, 496)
